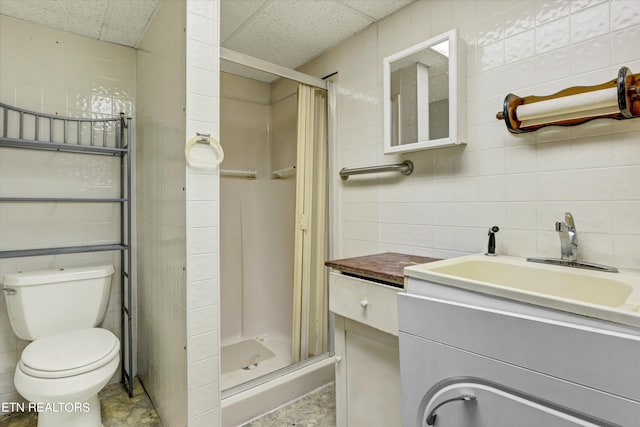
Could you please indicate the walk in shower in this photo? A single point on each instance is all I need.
(258, 133)
(273, 227)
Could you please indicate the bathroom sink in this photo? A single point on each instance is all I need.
(591, 293)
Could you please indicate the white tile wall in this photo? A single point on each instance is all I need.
(521, 183)
(162, 232)
(56, 72)
(203, 190)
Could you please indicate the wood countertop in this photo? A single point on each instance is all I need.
(386, 267)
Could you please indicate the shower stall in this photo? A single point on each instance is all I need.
(258, 133)
(273, 228)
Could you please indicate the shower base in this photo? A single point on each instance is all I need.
(261, 354)
(246, 354)
(279, 389)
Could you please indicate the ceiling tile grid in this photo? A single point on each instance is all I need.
(68, 15)
(121, 22)
(377, 9)
(128, 21)
(235, 13)
(285, 32)
(292, 32)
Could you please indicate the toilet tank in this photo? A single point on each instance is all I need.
(47, 302)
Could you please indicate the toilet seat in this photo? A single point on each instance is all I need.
(70, 353)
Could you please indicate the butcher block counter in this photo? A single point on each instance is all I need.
(387, 267)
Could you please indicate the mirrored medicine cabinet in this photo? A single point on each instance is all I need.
(423, 92)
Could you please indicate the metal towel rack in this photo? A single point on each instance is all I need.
(405, 168)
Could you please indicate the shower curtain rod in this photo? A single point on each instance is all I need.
(271, 68)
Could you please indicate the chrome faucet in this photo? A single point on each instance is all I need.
(569, 249)
(568, 238)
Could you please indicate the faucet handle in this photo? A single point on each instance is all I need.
(568, 238)
(568, 219)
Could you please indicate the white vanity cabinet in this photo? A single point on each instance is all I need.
(367, 355)
(517, 364)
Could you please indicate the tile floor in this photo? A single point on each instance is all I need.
(316, 409)
(117, 410)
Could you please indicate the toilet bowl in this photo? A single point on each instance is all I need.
(69, 359)
(62, 374)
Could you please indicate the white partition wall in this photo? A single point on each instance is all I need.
(202, 192)
(161, 214)
(178, 213)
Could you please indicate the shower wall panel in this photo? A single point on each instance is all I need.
(245, 121)
(281, 210)
(257, 216)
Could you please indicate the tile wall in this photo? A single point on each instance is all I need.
(523, 184)
(161, 213)
(202, 218)
(55, 72)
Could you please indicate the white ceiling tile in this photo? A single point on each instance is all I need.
(80, 17)
(286, 32)
(291, 32)
(128, 21)
(377, 9)
(235, 13)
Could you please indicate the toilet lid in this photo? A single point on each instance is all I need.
(69, 353)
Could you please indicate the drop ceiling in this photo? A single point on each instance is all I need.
(285, 32)
(291, 32)
(116, 21)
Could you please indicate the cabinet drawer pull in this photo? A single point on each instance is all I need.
(431, 418)
(364, 303)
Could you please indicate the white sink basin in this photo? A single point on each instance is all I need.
(608, 296)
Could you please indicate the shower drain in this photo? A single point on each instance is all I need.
(250, 367)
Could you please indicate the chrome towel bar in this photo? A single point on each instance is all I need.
(405, 168)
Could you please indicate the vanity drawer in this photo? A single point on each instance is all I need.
(366, 302)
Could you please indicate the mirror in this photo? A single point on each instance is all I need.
(422, 108)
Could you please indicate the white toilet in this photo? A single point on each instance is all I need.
(69, 360)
